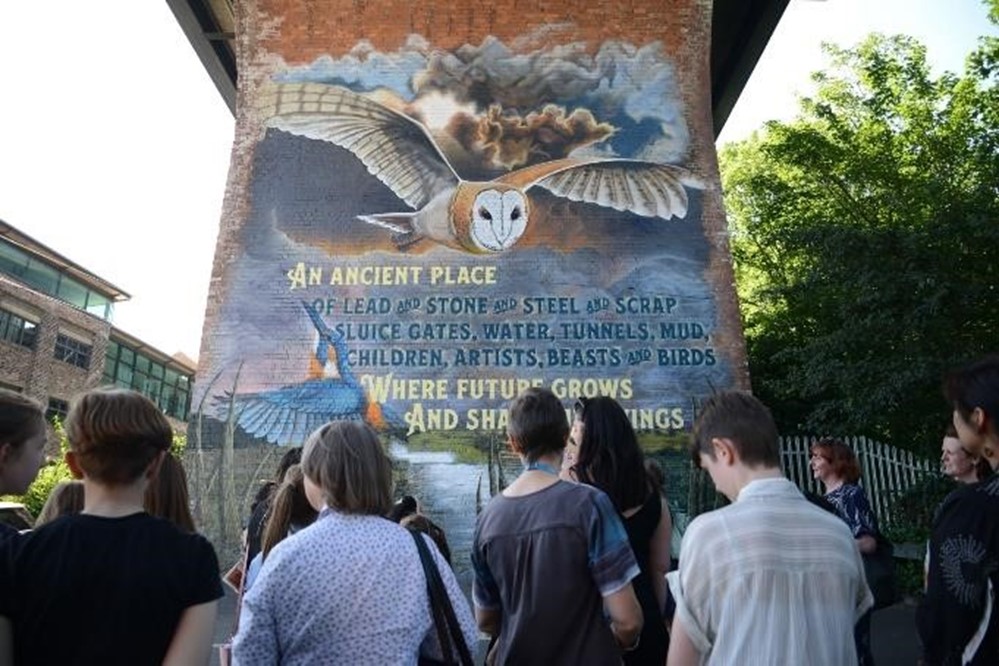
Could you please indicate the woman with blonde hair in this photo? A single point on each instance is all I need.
(65, 499)
(350, 588)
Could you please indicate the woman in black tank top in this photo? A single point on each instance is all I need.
(603, 452)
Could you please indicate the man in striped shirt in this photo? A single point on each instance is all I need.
(771, 578)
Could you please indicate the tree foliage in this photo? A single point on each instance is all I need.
(865, 238)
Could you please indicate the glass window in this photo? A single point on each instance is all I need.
(18, 330)
(12, 260)
(42, 276)
(57, 409)
(127, 356)
(98, 305)
(124, 374)
(72, 351)
(170, 390)
(181, 406)
(152, 389)
(168, 399)
(72, 292)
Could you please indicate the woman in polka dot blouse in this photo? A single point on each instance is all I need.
(350, 588)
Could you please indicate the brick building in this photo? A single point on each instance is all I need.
(57, 337)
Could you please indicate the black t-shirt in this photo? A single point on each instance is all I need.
(7, 531)
(964, 559)
(90, 590)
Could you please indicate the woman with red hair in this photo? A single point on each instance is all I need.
(835, 465)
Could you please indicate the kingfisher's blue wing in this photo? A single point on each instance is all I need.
(288, 415)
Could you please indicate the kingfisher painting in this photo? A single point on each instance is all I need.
(287, 415)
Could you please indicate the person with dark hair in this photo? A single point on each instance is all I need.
(957, 617)
(406, 506)
(407, 513)
(553, 566)
(66, 498)
(167, 496)
(770, 578)
(22, 446)
(290, 512)
(418, 522)
(262, 501)
(836, 467)
(608, 457)
(350, 588)
(156, 587)
(973, 394)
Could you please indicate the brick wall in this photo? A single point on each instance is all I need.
(277, 213)
(36, 371)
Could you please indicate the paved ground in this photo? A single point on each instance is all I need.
(893, 632)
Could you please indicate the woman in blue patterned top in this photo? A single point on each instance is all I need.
(835, 465)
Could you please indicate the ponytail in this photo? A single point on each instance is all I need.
(290, 509)
(279, 517)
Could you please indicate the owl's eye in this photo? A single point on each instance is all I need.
(515, 215)
(485, 214)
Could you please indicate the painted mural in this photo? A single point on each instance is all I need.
(421, 232)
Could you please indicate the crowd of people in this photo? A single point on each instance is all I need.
(571, 562)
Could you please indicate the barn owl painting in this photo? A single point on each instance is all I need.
(479, 217)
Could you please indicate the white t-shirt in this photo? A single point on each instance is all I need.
(770, 579)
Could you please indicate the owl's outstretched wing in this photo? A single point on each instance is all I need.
(643, 188)
(395, 148)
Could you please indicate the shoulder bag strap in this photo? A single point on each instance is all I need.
(242, 588)
(440, 604)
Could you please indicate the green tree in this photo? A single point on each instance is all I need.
(865, 238)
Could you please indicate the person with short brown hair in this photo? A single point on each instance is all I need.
(553, 565)
(770, 578)
(156, 587)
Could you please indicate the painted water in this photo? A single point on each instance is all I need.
(451, 490)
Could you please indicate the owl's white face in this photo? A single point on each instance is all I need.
(499, 219)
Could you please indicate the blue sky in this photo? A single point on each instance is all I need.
(120, 163)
